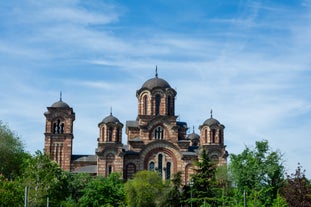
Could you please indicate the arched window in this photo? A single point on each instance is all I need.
(157, 104)
(151, 166)
(145, 105)
(168, 171)
(58, 127)
(213, 135)
(118, 135)
(109, 170)
(160, 164)
(205, 135)
(110, 130)
(159, 133)
(169, 110)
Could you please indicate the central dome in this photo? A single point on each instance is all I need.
(110, 119)
(60, 104)
(156, 83)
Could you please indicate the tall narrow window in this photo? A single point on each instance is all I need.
(109, 169)
(159, 133)
(168, 171)
(169, 105)
(220, 136)
(145, 105)
(151, 166)
(110, 134)
(160, 160)
(118, 135)
(213, 135)
(157, 104)
(205, 135)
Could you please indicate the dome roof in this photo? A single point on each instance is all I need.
(211, 121)
(60, 104)
(156, 83)
(110, 119)
(193, 135)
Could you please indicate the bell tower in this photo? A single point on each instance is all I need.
(212, 140)
(59, 133)
(109, 150)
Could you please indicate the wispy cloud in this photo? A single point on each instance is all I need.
(249, 62)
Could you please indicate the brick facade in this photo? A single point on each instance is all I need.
(156, 141)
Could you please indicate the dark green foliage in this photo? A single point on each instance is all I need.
(146, 189)
(12, 153)
(205, 188)
(259, 172)
(173, 197)
(44, 179)
(76, 183)
(297, 190)
(102, 191)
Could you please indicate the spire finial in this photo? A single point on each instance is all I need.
(60, 96)
(193, 129)
(156, 71)
(110, 111)
(211, 113)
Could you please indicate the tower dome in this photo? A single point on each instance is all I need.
(60, 103)
(110, 119)
(211, 121)
(193, 136)
(156, 82)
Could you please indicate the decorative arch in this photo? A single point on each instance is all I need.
(158, 132)
(161, 150)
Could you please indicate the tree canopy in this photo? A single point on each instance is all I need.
(12, 152)
(259, 172)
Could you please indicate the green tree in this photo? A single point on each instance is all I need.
(101, 191)
(76, 183)
(258, 172)
(12, 152)
(11, 193)
(174, 196)
(297, 190)
(146, 189)
(205, 188)
(44, 178)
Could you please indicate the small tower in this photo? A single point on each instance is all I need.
(58, 133)
(109, 150)
(212, 140)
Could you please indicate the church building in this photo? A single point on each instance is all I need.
(156, 140)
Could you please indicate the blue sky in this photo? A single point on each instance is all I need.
(249, 61)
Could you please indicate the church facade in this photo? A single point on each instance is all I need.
(156, 140)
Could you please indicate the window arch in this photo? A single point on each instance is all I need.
(168, 171)
(145, 106)
(159, 133)
(213, 135)
(169, 105)
(157, 104)
(58, 127)
(118, 135)
(109, 170)
(160, 164)
(110, 131)
(151, 166)
(205, 135)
